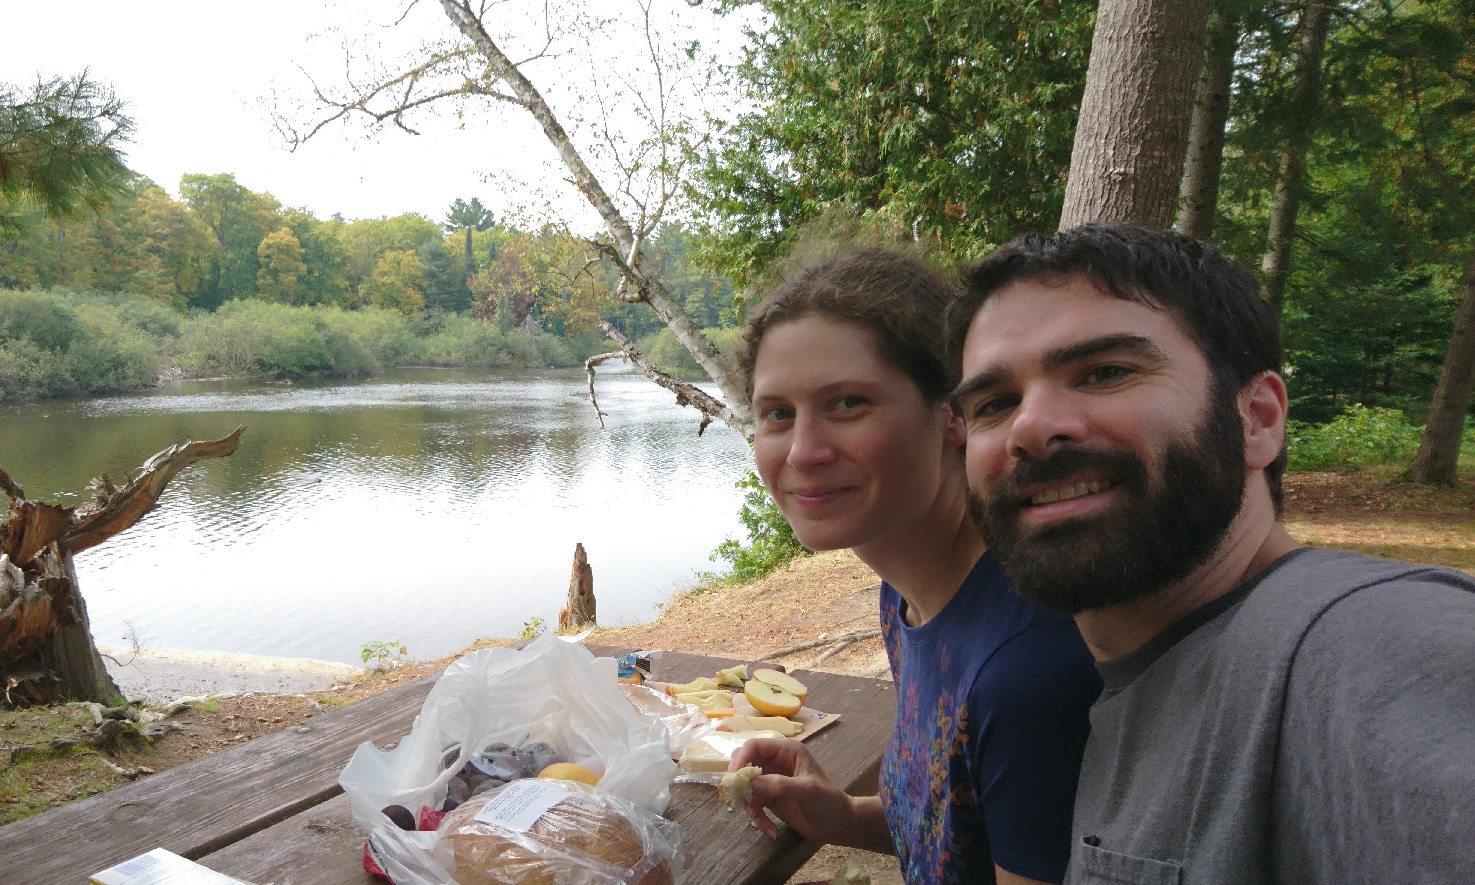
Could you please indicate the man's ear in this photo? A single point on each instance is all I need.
(955, 434)
(1262, 412)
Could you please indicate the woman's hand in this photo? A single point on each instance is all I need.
(795, 788)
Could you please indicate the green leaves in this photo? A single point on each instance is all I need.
(951, 121)
(60, 148)
(771, 543)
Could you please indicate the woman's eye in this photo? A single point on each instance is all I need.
(851, 402)
(778, 413)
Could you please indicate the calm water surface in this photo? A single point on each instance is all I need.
(433, 506)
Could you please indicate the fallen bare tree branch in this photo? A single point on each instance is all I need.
(847, 638)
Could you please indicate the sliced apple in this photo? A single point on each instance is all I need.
(782, 682)
(733, 677)
(771, 700)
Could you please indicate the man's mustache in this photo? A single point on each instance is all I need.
(1114, 466)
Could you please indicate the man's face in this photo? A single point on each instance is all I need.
(1102, 463)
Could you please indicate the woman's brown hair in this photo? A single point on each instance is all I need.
(899, 299)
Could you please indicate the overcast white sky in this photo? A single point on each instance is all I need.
(195, 76)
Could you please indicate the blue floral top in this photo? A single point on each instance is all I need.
(991, 720)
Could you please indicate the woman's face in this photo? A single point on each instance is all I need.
(845, 443)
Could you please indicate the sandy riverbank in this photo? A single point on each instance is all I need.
(163, 674)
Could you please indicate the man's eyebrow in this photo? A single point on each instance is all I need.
(1125, 342)
(981, 381)
(1064, 356)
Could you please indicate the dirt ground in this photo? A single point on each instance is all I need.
(819, 597)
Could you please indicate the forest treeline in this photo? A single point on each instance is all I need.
(228, 282)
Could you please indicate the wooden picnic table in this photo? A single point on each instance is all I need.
(270, 810)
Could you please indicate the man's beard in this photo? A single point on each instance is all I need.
(1167, 527)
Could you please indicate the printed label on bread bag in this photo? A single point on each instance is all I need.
(521, 803)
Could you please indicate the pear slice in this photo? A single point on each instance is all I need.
(770, 700)
(782, 682)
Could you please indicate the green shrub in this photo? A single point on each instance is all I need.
(665, 350)
(771, 542)
(28, 372)
(108, 356)
(60, 344)
(159, 320)
(463, 341)
(385, 334)
(37, 317)
(1359, 437)
(262, 338)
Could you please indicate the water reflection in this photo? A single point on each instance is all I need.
(437, 506)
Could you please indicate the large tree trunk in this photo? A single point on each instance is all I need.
(1439, 449)
(46, 647)
(1199, 193)
(1291, 177)
(1132, 134)
(73, 658)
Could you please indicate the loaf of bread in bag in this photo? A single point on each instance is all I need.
(588, 838)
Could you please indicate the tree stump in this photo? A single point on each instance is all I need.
(46, 648)
(579, 612)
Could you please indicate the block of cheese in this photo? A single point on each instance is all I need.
(711, 754)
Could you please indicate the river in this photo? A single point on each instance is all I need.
(430, 506)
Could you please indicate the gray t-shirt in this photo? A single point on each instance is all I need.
(1315, 725)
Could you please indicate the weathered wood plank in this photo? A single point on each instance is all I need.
(197, 808)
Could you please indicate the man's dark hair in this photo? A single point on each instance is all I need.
(899, 299)
(1215, 300)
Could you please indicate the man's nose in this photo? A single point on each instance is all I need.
(1046, 419)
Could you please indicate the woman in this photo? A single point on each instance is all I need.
(860, 447)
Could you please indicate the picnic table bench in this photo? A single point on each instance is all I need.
(270, 810)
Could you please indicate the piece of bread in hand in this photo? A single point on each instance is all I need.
(735, 788)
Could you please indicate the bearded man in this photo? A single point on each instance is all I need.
(1272, 712)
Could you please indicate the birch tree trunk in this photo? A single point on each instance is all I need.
(1199, 193)
(1439, 449)
(630, 260)
(1291, 176)
(1132, 134)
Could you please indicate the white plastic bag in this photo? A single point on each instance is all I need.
(551, 690)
